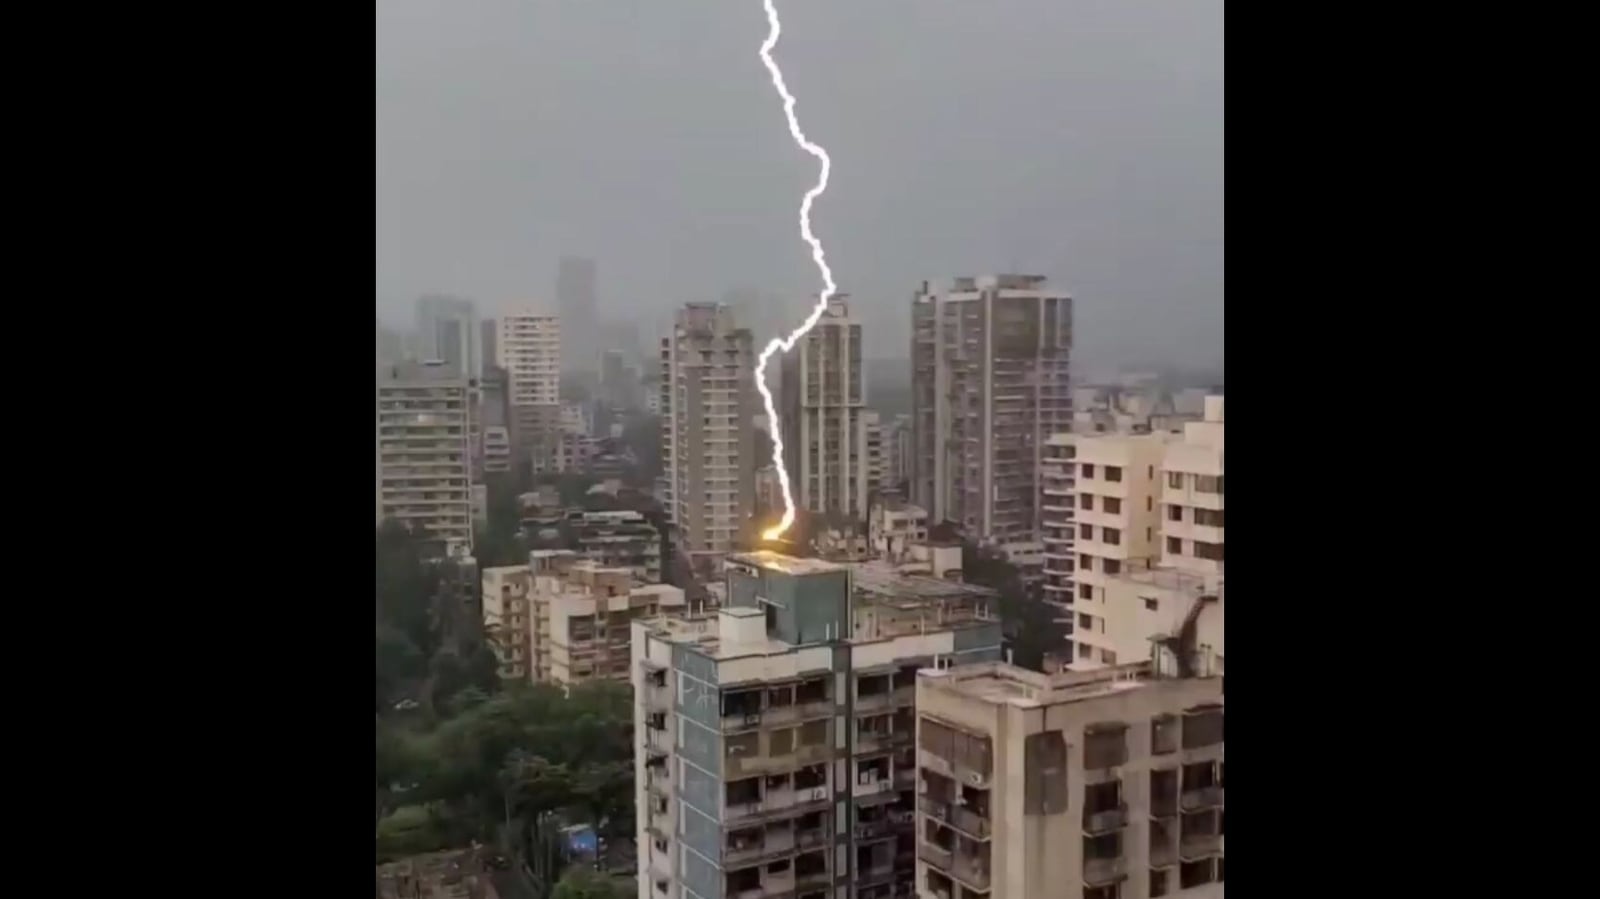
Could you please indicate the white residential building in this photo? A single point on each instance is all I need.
(424, 465)
(1159, 590)
(529, 348)
(708, 398)
(824, 413)
(894, 527)
(989, 362)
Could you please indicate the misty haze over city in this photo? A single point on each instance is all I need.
(1078, 140)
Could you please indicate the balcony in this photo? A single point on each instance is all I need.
(970, 871)
(933, 855)
(656, 742)
(799, 712)
(1201, 798)
(872, 787)
(1100, 871)
(876, 702)
(1105, 821)
(872, 830)
(1163, 851)
(1199, 845)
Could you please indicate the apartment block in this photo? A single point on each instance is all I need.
(1191, 493)
(708, 398)
(824, 414)
(424, 468)
(894, 527)
(620, 538)
(1113, 527)
(774, 736)
(580, 614)
(877, 455)
(1103, 784)
(989, 362)
(507, 621)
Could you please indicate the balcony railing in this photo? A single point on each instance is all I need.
(1199, 845)
(1163, 854)
(1103, 870)
(933, 855)
(1104, 821)
(1201, 798)
(970, 871)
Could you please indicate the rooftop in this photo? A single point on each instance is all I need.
(1001, 684)
(785, 564)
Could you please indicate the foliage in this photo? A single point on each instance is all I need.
(1028, 621)
(642, 435)
(518, 755)
(583, 882)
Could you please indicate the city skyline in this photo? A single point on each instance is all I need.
(675, 174)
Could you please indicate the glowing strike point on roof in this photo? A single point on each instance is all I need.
(785, 344)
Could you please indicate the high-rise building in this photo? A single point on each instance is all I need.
(576, 299)
(897, 450)
(1105, 784)
(877, 458)
(530, 347)
(490, 342)
(989, 362)
(824, 426)
(1142, 601)
(708, 396)
(1099, 498)
(774, 735)
(448, 331)
(424, 455)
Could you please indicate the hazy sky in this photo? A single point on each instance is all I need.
(1081, 139)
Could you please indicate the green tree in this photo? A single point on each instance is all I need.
(583, 882)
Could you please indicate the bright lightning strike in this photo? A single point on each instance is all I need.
(775, 28)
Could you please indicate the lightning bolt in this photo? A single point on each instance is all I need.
(785, 344)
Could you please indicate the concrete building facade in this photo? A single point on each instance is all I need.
(563, 619)
(774, 736)
(824, 413)
(424, 456)
(1105, 784)
(708, 397)
(990, 384)
(530, 347)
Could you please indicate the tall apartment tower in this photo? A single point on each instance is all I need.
(1100, 500)
(529, 345)
(575, 297)
(1104, 784)
(448, 331)
(774, 751)
(708, 397)
(424, 452)
(989, 360)
(1184, 593)
(824, 423)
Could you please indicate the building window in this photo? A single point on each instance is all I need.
(1083, 650)
(1209, 551)
(1149, 534)
(1205, 483)
(1175, 480)
(1086, 502)
(1174, 546)
(1086, 531)
(1111, 536)
(1208, 517)
(1158, 882)
(1084, 564)
(1151, 603)
(1085, 591)
(1174, 512)
(1112, 566)
(1113, 473)
(1149, 503)
(1088, 470)
(1085, 622)
(1113, 506)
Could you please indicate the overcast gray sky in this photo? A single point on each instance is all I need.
(1081, 139)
